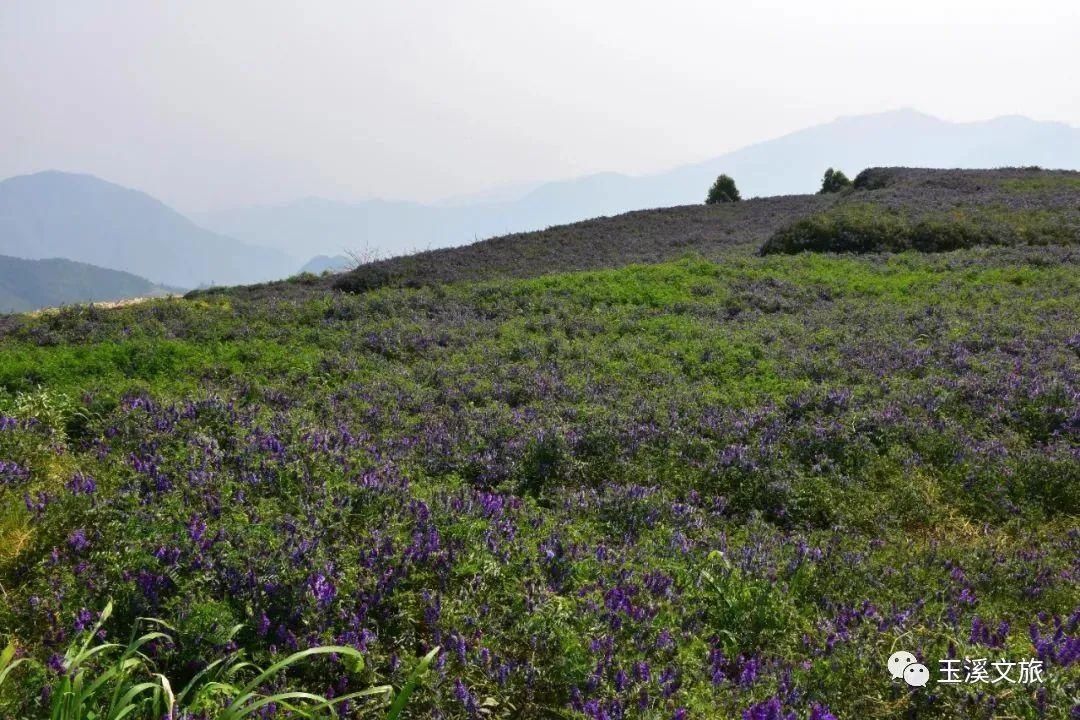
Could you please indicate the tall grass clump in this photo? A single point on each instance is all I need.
(99, 680)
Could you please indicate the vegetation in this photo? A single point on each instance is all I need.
(895, 210)
(110, 681)
(709, 487)
(866, 227)
(1041, 183)
(722, 191)
(833, 182)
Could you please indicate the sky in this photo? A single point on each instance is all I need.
(209, 104)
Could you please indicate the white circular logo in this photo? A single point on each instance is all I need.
(916, 675)
(898, 661)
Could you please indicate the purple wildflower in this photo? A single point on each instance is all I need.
(770, 709)
(820, 712)
(322, 589)
(81, 484)
(77, 540)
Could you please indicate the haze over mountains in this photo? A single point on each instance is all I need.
(788, 165)
(83, 218)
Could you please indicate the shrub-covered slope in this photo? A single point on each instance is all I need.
(700, 489)
(890, 209)
(897, 209)
(646, 236)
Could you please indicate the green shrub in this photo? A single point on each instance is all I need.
(868, 227)
(744, 612)
(52, 409)
(874, 178)
(723, 191)
(833, 182)
(367, 277)
(546, 460)
(858, 228)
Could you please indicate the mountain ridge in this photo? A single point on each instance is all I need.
(786, 165)
(27, 285)
(84, 218)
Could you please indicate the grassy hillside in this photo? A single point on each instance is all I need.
(722, 485)
(32, 284)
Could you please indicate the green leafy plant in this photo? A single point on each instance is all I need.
(52, 409)
(745, 612)
(9, 662)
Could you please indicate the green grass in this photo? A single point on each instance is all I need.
(173, 365)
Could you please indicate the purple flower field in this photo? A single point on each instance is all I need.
(705, 488)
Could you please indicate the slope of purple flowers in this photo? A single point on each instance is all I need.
(688, 490)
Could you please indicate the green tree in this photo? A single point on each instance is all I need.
(722, 191)
(834, 181)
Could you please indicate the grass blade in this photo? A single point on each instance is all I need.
(295, 657)
(127, 702)
(7, 664)
(410, 685)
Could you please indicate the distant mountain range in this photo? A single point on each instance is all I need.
(788, 165)
(83, 218)
(33, 284)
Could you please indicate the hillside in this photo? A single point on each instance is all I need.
(32, 284)
(791, 164)
(897, 209)
(85, 219)
(724, 485)
(638, 237)
(1037, 201)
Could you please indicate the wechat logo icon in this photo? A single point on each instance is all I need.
(904, 665)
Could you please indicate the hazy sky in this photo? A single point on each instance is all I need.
(214, 103)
